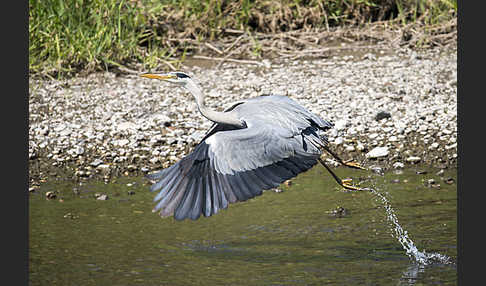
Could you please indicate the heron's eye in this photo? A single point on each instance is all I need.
(181, 75)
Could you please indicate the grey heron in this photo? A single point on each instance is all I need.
(254, 145)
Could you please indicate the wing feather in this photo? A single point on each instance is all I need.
(207, 199)
(196, 206)
(186, 202)
(232, 165)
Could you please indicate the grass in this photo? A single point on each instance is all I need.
(69, 36)
(66, 37)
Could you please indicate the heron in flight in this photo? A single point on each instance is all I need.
(254, 145)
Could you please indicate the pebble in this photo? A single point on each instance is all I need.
(339, 141)
(452, 146)
(50, 195)
(382, 115)
(449, 181)
(131, 168)
(349, 148)
(79, 150)
(71, 216)
(398, 165)
(360, 146)
(338, 212)
(377, 170)
(377, 100)
(377, 152)
(413, 159)
(433, 146)
(96, 163)
(101, 197)
(103, 167)
(340, 125)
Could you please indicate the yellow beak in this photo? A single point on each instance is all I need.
(158, 76)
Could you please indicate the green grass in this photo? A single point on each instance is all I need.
(69, 36)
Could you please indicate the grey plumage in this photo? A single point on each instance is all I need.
(280, 141)
(254, 145)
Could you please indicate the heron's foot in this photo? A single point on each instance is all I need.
(346, 183)
(354, 165)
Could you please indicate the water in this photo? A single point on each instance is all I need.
(421, 257)
(295, 237)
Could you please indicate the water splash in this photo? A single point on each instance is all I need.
(421, 257)
(411, 274)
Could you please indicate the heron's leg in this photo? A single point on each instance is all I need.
(348, 163)
(343, 183)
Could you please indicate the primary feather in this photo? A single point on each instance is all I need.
(280, 140)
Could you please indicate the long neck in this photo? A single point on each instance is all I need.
(215, 116)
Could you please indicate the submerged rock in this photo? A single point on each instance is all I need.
(338, 212)
(51, 195)
(101, 197)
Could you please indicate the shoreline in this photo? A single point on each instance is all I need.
(104, 125)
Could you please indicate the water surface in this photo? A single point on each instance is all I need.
(300, 236)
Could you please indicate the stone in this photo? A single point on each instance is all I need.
(433, 146)
(96, 163)
(413, 159)
(79, 150)
(382, 115)
(51, 195)
(126, 110)
(377, 152)
(101, 197)
(121, 142)
(449, 181)
(340, 124)
(377, 170)
(338, 141)
(349, 148)
(125, 126)
(398, 165)
(339, 212)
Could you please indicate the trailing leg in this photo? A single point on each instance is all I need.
(349, 163)
(343, 183)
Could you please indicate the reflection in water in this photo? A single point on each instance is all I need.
(288, 238)
(410, 275)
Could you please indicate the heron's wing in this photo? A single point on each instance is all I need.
(231, 166)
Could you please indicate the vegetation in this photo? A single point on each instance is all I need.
(69, 36)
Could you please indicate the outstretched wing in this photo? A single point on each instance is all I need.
(234, 165)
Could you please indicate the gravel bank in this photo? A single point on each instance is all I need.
(388, 109)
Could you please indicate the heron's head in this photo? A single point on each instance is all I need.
(178, 78)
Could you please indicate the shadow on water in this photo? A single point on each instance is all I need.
(311, 233)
